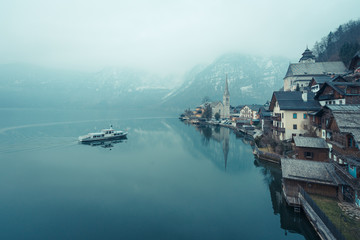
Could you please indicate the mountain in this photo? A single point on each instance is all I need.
(251, 80)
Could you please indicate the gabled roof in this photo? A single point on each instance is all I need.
(309, 171)
(315, 68)
(214, 104)
(340, 87)
(294, 101)
(322, 79)
(255, 107)
(347, 118)
(310, 142)
(355, 61)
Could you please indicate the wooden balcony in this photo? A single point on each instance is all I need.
(278, 129)
(276, 117)
(346, 177)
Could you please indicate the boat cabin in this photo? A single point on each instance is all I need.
(108, 131)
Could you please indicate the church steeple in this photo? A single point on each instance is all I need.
(307, 56)
(226, 91)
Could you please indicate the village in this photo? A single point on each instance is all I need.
(311, 128)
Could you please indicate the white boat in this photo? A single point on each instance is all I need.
(104, 135)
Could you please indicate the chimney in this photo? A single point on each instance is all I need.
(304, 96)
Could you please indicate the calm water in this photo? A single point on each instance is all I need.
(168, 180)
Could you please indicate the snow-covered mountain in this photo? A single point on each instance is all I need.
(251, 80)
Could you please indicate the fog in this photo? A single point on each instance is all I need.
(161, 36)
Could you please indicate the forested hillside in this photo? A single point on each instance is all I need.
(342, 44)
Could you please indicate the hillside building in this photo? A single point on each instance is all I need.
(300, 74)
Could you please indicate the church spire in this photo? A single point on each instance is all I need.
(226, 92)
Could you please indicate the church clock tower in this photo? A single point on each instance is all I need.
(226, 100)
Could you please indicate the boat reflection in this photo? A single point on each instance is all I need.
(104, 144)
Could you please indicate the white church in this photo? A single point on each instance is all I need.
(223, 108)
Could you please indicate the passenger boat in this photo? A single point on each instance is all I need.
(105, 135)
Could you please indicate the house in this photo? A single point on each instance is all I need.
(339, 93)
(300, 74)
(250, 112)
(317, 82)
(311, 148)
(354, 68)
(265, 118)
(355, 62)
(314, 177)
(339, 125)
(198, 112)
(290, 113)
(350, 175)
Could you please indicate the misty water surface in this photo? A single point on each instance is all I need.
(168, 180)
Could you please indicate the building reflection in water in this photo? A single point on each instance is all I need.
(220, 135)
(289, 220)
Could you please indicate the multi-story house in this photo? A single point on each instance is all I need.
(290, 113)
(339, 93)
(339, 125)
(250, 112)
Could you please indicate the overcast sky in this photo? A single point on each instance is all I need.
(162, 35)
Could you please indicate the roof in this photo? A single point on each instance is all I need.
(347, 118)
(355, 61)
(255, 107)
(340, 87)
(294, 101)
(322, 79)
(309, 171)
(214, 104)
(310, 142)
(307, 55)
(315, 68)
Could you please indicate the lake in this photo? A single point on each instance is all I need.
(168, 180)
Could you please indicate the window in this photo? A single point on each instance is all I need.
(295, 126)
(282, 115)
(350, 142)
(308, 155)
(305, 116)
(340, 101)
(294, 115)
